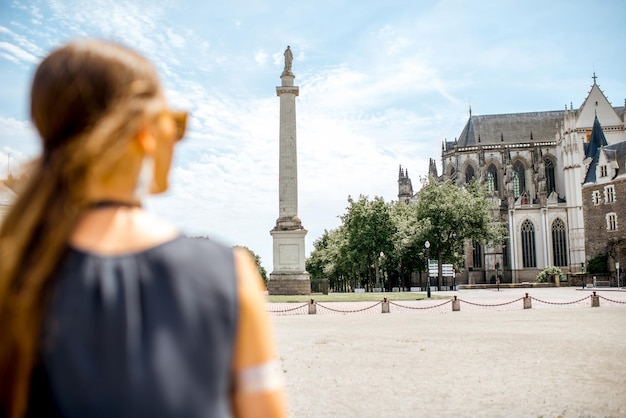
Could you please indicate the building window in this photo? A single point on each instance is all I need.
(603, 171)
(505, 253)
(529, 256)
(550, 180)
(611, 221)
(609, 194)
(515, 184)
(492, 178)
(519, 179)
(595, 197)
(559, 243)
(477, 251)
(469, 173)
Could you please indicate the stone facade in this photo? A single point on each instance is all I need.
(604, 199)
(533, 165)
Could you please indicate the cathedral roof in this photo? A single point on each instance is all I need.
(616, 152)
(593, 149)
(511, 128)
(597, 104)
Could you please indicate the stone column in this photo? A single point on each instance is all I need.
(289, 276)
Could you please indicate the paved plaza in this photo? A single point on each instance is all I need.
(551, 360)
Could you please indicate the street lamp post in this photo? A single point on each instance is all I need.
(427, 246)
(382, 272)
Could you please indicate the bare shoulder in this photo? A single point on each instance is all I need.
(120, 231)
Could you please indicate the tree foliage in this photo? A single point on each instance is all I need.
(453, 215)
(445, 215)
(598, 264)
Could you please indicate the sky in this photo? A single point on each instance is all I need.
(382, 84)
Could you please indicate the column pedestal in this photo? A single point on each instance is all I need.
(289, 276)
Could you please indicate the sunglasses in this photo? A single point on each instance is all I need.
(180, 120)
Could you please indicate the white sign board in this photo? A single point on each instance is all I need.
(446, 269)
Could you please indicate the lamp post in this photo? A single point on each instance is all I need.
(427, 246)
(382, 273)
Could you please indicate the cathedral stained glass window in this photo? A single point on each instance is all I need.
(529, 253)
(559, 243)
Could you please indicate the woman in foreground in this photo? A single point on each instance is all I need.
(106, 310)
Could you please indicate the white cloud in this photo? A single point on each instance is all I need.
(17, 53)
(261, 57)
(175, 40)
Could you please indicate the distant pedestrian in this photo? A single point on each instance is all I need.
(498, 283)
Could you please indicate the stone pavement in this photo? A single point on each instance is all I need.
(551, 360)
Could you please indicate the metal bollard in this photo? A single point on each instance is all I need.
(595, 300)
(385, 305)
(456, 305)
(528, 302)
(312, 307)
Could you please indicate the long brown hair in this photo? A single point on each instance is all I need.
(87, 101)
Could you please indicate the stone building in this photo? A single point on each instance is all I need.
(604, 198)
(534, 165)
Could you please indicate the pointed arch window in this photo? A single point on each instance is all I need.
(492, 178)
(469, 173)
(559, 243)
(529, 253)
(519, 179)
(515, 180)
(549, 173)
(477, 257)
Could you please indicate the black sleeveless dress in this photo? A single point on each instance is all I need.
(145, 334)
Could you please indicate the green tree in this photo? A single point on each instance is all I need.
(598, 264)
(369, 230)
(329, 259)
(451, 215)
(408, 239)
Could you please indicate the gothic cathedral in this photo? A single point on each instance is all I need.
(557, 179)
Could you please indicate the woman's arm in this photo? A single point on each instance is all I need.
(258, 375)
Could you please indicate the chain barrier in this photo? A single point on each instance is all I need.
(611, 300)
(348, 311)
(302, 309)
(485, 305)
(420, 307)
(560, 303)
(284, 311)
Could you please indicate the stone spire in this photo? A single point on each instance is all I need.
(405, 188)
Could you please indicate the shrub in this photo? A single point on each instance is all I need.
(598, 264)
(549, 272)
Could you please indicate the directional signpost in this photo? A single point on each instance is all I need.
(446, 269)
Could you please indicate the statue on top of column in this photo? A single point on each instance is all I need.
(288, 60)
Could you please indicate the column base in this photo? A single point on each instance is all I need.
(289, 284)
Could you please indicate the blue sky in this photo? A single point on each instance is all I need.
(382, 83)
